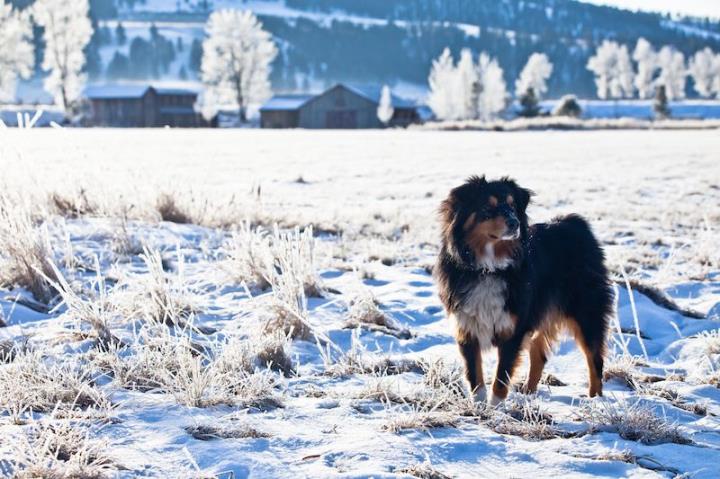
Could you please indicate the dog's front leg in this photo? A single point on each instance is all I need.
(472, 357)
(508, 354)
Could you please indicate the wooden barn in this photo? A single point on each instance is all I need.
(342, 106)
(143, 106)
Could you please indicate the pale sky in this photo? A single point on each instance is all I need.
(702, 8)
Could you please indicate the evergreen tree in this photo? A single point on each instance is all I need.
(183, 73)
(568, 106)
(154, 33)
(119, 67)
(196, 53)
(179, 45)
(660, 104)
(141, 59)
(120, 35)
(530, 106)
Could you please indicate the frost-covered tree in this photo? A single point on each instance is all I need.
(673, 74)
(442, 98)
(236, 61)
(466, 90)
(534, 75)
(715, 87)
(67, 31)
(646, 59)
(466, 86)
(385, 109)
(492, 94)
(703, 70)
(613, 70)
(16, 49)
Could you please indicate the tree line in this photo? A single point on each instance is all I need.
(469, 89)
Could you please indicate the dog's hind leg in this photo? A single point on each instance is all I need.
(592, 344)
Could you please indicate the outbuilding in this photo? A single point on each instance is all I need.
(139, 106)
(342, 106)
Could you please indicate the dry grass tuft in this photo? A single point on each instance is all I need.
(423, 470)
(196, 375)
(209, 432)
(711, 340)
(273, 351)
(97, 311)
(357, 360)
(365, 313)
(522, 416)
(8, 351)
(293, 278)
(624, 369)
(170, 210)
(31, 383)
(72, 205)
(419, 418)
(629, 457)
(295, 254)
(162, 297)
(25, 251)
(123, 243)
(247, 253)
(632, 421)
(57, 449)
(673, 397)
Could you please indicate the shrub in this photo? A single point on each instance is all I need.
(568, 106)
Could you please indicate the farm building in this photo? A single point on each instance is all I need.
(142, 106)
(342, 106)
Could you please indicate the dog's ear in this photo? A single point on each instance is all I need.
(522, 196)
(453, 216)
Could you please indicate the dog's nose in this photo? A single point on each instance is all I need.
(512, 224)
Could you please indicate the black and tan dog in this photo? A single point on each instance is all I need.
(511, 285)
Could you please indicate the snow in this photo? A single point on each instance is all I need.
(640, 190)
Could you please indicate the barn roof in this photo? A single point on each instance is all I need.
(175, 91)
(113, 91)
(286, 102)
(132, 91)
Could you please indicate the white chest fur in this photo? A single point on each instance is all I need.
(483, 312)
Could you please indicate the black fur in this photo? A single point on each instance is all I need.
(556, 267)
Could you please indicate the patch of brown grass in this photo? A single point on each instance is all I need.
(365, 313)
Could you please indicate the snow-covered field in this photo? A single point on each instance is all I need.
(214, 343)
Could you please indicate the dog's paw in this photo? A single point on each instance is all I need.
(480, 395)
(526, 389)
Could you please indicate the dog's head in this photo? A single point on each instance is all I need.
(483, 222)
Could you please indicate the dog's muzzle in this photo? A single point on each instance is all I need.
(512, 225)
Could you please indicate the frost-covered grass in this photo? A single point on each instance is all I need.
(163, 317)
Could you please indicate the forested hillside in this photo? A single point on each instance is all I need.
(389, 41)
